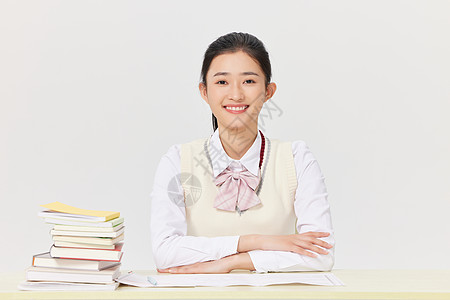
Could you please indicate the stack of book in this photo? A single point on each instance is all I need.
(86, 251)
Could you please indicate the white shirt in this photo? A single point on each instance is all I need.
(172, 247)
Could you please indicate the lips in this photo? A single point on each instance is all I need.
(236, 109)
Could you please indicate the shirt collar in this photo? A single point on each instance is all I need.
(220, 159)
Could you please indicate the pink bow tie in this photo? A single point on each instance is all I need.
(236, 188)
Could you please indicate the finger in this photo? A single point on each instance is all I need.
(163, 270)
(176, 270)
(317, 234)
(310, 239)
(318, 250)
(322, 244)
(304, 252)
(309, 246)
(173, 270)
(183, 270)
(318, 242)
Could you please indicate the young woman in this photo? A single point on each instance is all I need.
(239, 199)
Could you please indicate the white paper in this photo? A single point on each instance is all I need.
(220, 280)
(134, 280)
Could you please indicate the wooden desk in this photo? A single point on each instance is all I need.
(359, 284)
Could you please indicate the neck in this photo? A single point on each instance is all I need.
(237, 141)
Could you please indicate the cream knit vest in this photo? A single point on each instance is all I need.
(275, 215)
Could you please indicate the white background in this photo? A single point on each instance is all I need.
(93, 93)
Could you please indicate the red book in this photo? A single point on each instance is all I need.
(45, 260)
(88, 253)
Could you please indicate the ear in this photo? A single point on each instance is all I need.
(203, 92)
(270, 90)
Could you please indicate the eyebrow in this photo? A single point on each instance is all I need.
(243, 73)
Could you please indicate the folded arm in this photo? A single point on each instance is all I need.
(172, 247)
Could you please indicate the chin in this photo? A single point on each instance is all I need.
(235, 125)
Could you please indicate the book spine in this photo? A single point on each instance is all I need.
(83, 278)
(90, 254)
(96, 259)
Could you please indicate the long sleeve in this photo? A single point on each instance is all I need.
(313, 214)
(170, 244)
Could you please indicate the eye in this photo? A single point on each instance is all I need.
(221, 82)
(249, 81)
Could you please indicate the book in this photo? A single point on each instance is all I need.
(80, 276)
(89, 240)
(78, 222)
(87, 228)
(80, 245)
(45, 260)
(88, 233)
(58, 207)
(85, 253)
(66, 286)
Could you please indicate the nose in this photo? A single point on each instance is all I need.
(235, 92)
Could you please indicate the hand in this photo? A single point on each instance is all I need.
(223, 265)
(298, 243)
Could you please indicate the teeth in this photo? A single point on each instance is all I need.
(236, 108)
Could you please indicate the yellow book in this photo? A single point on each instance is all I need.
(64, 208)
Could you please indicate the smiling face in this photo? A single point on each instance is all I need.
(236, 91)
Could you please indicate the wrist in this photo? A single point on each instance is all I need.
(242, 261)
(249, 242)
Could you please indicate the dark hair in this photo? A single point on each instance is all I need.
(234, 42)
